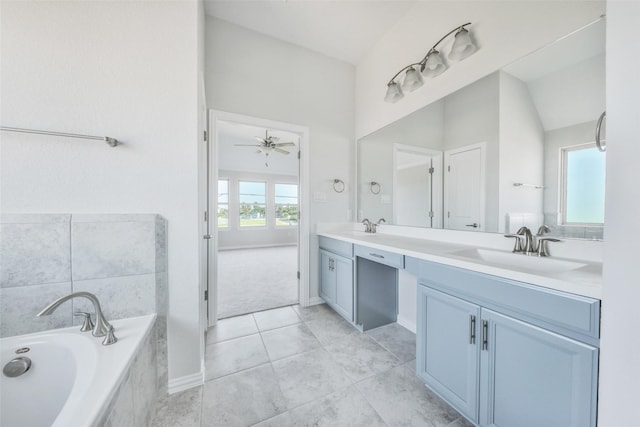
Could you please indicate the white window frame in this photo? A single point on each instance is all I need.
(266, 206)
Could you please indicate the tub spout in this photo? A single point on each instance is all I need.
(101, 327)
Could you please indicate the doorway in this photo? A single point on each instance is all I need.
(464, 188)
(417, 186)
(257, 196)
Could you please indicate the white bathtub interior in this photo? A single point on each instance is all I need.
(73, 377)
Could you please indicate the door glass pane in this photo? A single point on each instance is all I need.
(286, 198)
(252, 197)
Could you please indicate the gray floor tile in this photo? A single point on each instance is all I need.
(316, 312)
(276, 318)
(361, 357)
(242, 399)
(231, 356)
(411, 365)
(346, 407)
(397, 339)
(233, 327)
(179, 410)
(460, 422)
(281, 420)
(288, 341)
(309, 376)
(330, 330)
(402, 399)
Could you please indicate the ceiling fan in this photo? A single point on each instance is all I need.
(269, 144)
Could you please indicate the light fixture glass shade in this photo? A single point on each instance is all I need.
(394, 93)
(434, 66)
(462, 46)
(412, 80)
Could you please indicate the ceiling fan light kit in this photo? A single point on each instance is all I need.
(432, 64)
(269, 144)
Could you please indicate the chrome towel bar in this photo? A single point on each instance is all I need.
(111, 141)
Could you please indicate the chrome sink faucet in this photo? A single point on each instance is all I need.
(528, 243)
(371, 227)
(102, 327)
(528, 248)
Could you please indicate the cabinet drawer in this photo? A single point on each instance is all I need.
(568, 314)
(383, 257)
(336, 246)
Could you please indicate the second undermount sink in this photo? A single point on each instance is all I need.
(519, 261)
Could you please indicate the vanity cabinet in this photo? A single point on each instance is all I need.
(336, 276)
(502, 360)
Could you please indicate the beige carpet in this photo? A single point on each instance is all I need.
(251, 280)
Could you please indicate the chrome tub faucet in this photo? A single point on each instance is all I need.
(102, 327)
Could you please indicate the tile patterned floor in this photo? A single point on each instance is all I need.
(296, 366)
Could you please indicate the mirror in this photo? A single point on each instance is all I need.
(515, 148)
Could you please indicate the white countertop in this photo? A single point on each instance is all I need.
(585, 280)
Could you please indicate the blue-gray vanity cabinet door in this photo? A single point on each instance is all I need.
(344, 287)
(531, 377)
(448, 348)
(327, 277)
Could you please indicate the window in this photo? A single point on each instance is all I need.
(252, 197)
(583, 174)
(286, 198)
(223, 203)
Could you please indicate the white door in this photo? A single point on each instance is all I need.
(417, 186)
(464, 183)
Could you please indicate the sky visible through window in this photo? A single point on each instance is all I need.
(585, 176)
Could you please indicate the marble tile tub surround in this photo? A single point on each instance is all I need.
(122, 258)
(296, 376)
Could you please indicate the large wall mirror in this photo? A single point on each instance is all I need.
(515, 148)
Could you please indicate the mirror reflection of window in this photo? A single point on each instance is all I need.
(223, 203)
(286, 206)
(252, 197)
(583, 185)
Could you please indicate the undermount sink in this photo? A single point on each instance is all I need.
(519, 261)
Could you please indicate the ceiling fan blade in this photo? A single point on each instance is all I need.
(285, 144)
(260, 139)
(247, 145)
(280, 150)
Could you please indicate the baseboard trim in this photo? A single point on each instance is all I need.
(315, 301)
(185, 382)
(263, 246)
(405, 323)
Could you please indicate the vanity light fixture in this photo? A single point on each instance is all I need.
(432, 64)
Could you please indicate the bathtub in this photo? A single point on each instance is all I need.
(73, 378)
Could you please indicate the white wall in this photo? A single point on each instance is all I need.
(126, 70)
(254, 75)
(521, 151)
(573, 95)
(499, 29)
(620, 349)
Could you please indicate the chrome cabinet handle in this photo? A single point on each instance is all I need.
(485, 334)
(599, 145)
(376, 255)
(207, 237)
(472, 329)
(332, 264)
(474, 225)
